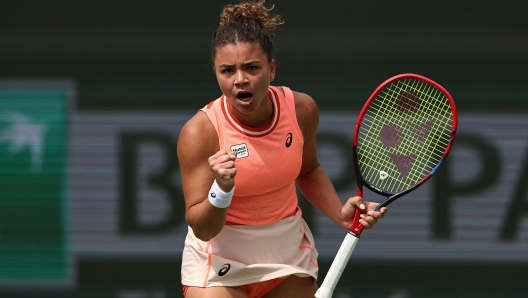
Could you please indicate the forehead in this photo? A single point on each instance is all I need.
(239, 52)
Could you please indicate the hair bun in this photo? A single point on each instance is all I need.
(252, 10)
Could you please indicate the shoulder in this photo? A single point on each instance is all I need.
(307, 112)
(197, 137)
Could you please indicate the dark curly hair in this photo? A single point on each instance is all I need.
(246, 22)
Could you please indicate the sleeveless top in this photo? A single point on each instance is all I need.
(268, 160)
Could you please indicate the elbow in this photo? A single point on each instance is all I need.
(204, 235)
(204, 232)
(204, 238)
(206, 223)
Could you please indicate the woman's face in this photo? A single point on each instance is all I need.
(244, 75)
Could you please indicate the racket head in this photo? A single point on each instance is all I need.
(403, 133)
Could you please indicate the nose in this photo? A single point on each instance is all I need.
(240, 78)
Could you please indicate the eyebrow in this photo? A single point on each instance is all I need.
(243, 64)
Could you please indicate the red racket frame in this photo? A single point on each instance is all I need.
(356, 228)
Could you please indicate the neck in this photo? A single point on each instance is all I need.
(262, 117)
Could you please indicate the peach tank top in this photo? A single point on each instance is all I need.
(268, 160)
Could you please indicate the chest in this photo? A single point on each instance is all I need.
(266, 163)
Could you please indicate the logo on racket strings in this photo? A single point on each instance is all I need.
(383, 175)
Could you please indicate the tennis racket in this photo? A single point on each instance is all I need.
(403, 133)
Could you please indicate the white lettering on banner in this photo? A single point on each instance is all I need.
(476, 216)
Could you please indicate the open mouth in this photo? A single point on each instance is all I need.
(244, 96)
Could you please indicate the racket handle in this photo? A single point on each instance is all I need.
(337, 267)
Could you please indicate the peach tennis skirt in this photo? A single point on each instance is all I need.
(241, 255)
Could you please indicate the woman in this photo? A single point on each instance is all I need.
(241, 157)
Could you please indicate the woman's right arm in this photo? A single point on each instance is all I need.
(201, 163)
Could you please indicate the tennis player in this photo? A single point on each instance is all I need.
(241, 157)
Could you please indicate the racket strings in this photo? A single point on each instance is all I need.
(405, 159)
(409, 126)
(404, 133)
(434, 111)
(403, 156)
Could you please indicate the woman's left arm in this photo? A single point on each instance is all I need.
(313, 181)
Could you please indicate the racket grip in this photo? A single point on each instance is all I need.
(337, 267)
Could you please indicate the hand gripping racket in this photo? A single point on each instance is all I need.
(403, 133)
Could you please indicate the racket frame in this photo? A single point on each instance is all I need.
(359, 179)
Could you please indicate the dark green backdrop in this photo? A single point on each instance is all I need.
(139, 54)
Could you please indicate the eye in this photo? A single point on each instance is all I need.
(252, 67)
(226, 71)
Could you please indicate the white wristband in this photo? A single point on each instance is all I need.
(218, 197)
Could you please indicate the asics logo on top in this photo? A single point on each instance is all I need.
(289, 139)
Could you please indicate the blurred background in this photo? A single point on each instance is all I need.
(93, 95)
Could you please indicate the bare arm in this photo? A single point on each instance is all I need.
(313, 181)
(200, 163)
